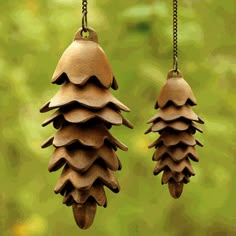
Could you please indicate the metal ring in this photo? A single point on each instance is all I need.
(84, 22)
(175, 66)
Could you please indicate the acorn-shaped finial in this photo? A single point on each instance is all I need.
(176, 124)
(86, 110)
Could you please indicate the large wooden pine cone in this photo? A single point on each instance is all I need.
(86, 110)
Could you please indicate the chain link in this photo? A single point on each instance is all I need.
(84, 13)
(175, 35)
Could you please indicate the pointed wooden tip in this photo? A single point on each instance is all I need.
(175, 189)
(84, 214)
(114, 84)
(48, 142)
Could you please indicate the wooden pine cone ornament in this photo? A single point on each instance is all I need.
(175, 122)
(86, 110)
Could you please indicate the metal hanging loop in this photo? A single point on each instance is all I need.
(175, 35)
(175, 64)
(84, 17)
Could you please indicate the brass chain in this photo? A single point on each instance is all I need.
(175, 35)
(84, 17)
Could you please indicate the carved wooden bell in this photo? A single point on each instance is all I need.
(86, 110)
(175, 122)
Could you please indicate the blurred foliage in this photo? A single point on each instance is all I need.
(137, 37)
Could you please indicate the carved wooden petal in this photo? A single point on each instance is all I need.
(86, 180)
(172, 139)
(197, 128)
(82, 60)
(176, 153)
(160, 152)
(161, 125)
(82, 159)
(176, 125)
(81, 81)
(84, 213)
(177, 177)
(89, 95)
(96, 192)
(177, 91)
(81, 115)
(91, 136)
(173, 166)
(179, 153)
(172, 113)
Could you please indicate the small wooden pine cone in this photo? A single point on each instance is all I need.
(176, 124)
(86, 110)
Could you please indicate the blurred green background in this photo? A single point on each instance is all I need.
(137, 38)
